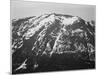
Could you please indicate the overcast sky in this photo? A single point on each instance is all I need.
(20, 9)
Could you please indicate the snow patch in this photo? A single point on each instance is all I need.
(68, 21)
(23, 65)
(55, 44)
(37, 19)
(51, 19)
(77, 30)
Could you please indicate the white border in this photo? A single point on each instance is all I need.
(5, 38)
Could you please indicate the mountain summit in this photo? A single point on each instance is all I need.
(52, 40)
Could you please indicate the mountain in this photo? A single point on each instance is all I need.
(52, 42)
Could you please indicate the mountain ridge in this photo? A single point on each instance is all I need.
(50, 34)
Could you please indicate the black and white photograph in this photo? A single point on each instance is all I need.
(52, 37)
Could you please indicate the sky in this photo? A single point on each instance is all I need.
(22, 9)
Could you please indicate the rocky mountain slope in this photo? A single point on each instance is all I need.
(52, 42)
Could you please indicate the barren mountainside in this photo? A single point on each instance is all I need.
(52, 42)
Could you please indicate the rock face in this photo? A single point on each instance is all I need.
(52, 42)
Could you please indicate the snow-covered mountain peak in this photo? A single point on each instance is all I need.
(47, 20)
